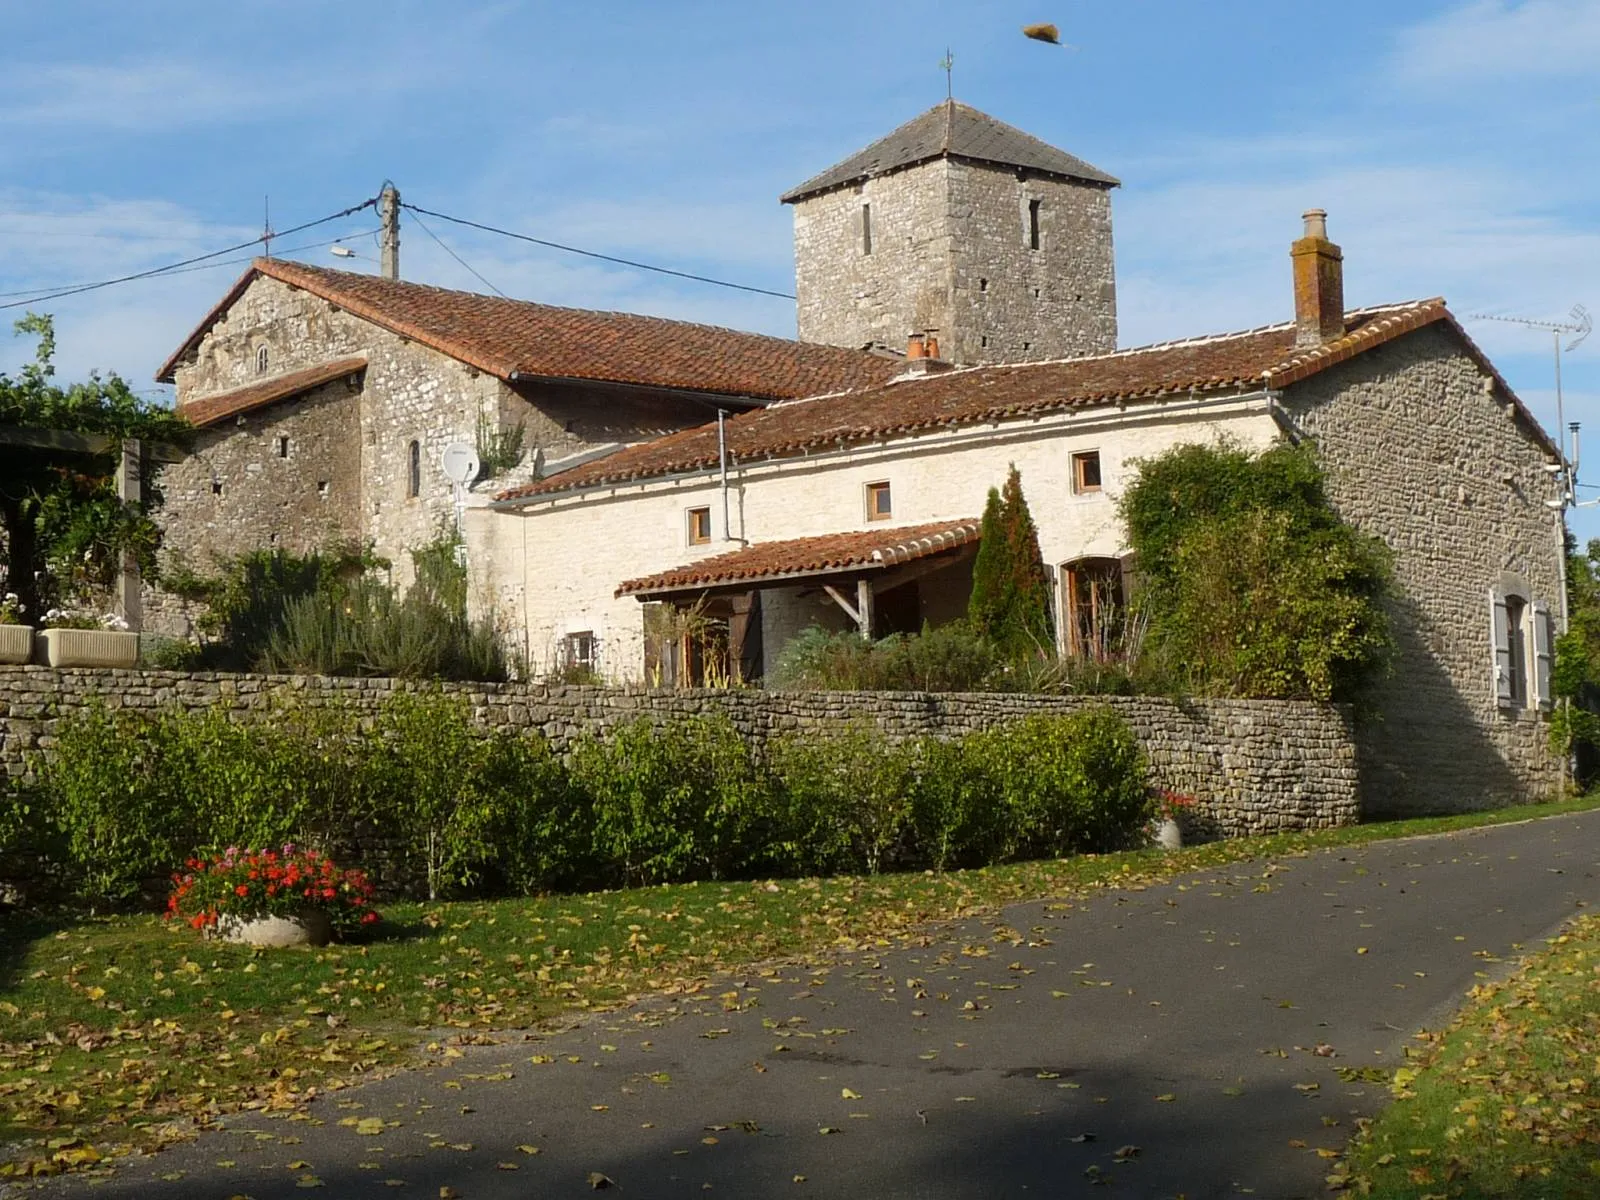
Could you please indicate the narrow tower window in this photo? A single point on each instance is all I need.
(414, 471)
(1033, 224)
(261, 360)
(866, 229)
(283, 447)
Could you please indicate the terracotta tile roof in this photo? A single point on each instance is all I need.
(1257, 358)
(515, 338)
(951, 130)
(208, 410)
(834, 553)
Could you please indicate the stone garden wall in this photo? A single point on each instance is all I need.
(1255, 766)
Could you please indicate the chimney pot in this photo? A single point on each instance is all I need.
(1318, 284)
(931, 346)
(916, 347)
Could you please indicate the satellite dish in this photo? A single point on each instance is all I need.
(459, 462)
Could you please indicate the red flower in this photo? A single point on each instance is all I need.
(241, 890)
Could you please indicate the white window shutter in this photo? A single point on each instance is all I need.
(1500, 639)
(1543, 656)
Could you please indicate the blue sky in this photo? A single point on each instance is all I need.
(1455, 145)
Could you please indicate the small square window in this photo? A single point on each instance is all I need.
(1086, 471)
(699, 526)
(880, 507)
(578, 651)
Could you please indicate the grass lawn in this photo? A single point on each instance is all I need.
(118, 1033)
(1507, 1100)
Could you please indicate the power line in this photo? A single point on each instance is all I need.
(77, 289)
(423, 225)
(625, 262)
(229, 262)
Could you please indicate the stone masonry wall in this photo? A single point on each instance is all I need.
(951, 252)
(407, 393)
(1253, 766)
(1011, 303)
(1422, 450)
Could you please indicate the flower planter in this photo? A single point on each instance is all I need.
(16, 643)
(310, 928)
(1169, 835)
(90, 648)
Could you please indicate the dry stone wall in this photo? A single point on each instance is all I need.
(1253, 766)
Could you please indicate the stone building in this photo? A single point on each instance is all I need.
(324, 400)
(962, 227)
(956, 315)
(860, 511)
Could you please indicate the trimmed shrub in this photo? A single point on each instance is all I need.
(543, 824)
(846, 800)
(675, 801)
(1071, 784)
(959, 813)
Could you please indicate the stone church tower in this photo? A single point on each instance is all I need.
(964, 227)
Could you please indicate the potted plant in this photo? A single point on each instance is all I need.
(16, 639)
(283, 897)
(1166, 827)
(74, 639)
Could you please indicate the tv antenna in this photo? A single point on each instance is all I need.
(1579, 325)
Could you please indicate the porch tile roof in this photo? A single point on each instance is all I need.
(219, 406)
(768, 562)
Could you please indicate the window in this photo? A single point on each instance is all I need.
(414, 471)
(1086, 472)
(1033, 224)
(1522, 636)
(866, 229)
(580, 651)
(983, 285)
(322, 488)
(283, 447)
(261, 360)
(880, 507)
(216, 487)
(699, 526)
(1092, 602)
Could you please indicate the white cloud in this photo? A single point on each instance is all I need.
(1492, 39)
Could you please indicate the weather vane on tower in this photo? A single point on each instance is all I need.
(948, 64)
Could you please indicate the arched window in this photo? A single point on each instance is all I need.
(1093, 607)
(261, 360)
(414, 470)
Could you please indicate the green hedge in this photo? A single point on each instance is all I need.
(431, 804)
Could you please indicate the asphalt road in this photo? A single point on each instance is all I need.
(989, 1061)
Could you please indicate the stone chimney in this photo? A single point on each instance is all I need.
(1318, 284)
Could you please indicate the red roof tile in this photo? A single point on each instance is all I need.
(767, 562)
(1257, 358)
(208, 410)
(512, 338)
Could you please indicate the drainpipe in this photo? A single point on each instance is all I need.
(722, 459)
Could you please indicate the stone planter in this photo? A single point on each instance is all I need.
(16, 643)
(1169, 835)
(310, 928)
(90, 648)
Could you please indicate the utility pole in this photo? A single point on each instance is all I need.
(389, 214)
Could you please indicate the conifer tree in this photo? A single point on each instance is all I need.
(1010, 604)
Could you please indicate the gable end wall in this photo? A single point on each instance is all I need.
(1418, 452)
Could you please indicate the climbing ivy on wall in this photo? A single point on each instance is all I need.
(1252, 583)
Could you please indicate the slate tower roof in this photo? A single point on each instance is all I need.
(951, 130)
